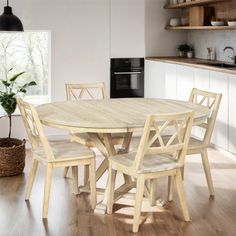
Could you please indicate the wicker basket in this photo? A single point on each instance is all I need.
(12, 159)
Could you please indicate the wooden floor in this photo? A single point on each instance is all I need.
(72, 215)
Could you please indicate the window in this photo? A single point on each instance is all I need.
(29, 52)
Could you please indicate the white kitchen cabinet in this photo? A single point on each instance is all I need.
(201, 79)
(171, 81)
(154, 79)
(219, 84)
(232, 113)
(127, 30)
(185, 82)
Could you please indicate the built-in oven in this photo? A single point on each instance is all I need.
(127, 77)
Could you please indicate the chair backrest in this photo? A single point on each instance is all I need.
(212, 101)
(85, 91)
(153, 142)
(36, 135)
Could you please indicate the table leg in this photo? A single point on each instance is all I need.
(125, 149)
(107, 140)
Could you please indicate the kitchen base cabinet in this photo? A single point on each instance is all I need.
(232, 113)
(219, 84)
(185, 82)
(154, 79)
(171, 81)
(201, 81)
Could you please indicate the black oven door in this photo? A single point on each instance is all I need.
(126, 84)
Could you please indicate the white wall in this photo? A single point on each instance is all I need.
(85, 33)
(80, 43)
(201, 40)
(161, 42)
(80, 38)
(127, 28)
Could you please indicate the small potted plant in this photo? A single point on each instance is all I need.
(12, 151)
(183, 49)
(190, 52)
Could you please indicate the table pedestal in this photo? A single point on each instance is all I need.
(105, 145)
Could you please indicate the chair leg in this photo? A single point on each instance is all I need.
(31, 179)
(66, 169)
(92, 177)
(182, 196)
(146, 192)
(75, 180)
(207, 169)
(182, 172)
(86, 174)
(138, 202)
(170, 187)
(111, 189)
(153, 196)
(47, 187)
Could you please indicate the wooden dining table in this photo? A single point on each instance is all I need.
(100, 119)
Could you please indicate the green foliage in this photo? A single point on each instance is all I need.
(8, 102)
(191, 48)
(9, 92)
(185, 48)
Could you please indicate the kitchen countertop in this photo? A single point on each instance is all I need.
(193, 62)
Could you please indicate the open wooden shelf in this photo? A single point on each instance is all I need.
(201, 28)
(192, 3)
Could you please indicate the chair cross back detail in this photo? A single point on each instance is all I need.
(152, 142)
(85, 91)
(212, 101)
(34, 128)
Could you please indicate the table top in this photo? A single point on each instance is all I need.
(112, 115)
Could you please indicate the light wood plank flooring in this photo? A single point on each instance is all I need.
(72, 215)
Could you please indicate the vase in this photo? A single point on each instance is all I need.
(181, 54)
(189, 54)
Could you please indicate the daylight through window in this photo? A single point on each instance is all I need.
(29, 52)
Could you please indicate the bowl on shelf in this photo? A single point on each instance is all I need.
(174, 22)
(217, 23)
(231, 23)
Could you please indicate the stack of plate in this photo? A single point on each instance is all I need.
(217, 23)
(231, 23)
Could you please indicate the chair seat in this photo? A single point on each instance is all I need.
(66, 151)
(195, 143)
(152, 163)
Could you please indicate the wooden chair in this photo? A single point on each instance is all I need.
(84, 91)
(151, 161)
(55, 155)
(87, 91)
(196, 146)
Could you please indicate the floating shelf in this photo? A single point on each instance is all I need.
(192, 3)
(201, 28)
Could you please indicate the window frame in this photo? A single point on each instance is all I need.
(44, 99)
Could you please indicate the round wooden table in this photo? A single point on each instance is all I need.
(112, 115)
(101, 118)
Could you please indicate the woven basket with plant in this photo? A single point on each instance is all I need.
(12, 151)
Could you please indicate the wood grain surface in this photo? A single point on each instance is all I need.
(112, 115)
(72, 215)
(194, 62)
